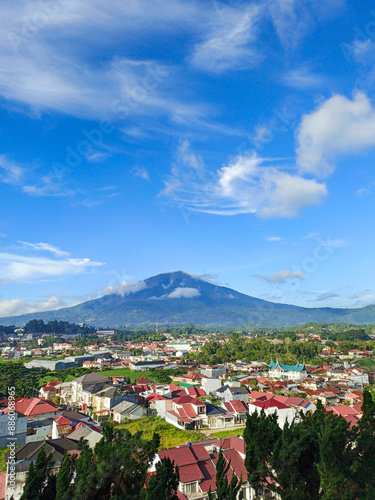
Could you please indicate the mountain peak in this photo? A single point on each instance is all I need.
(179, 297)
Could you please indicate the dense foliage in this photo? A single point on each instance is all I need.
(116, 468)
(239, 347)
(318, 457)
(24, 380)
(56, 327)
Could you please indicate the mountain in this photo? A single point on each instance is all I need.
(181, 298)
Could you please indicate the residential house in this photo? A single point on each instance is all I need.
(197, 466)
(218, 417)
(75, 394)
(238, 409)
(36, 408)
(185, 412)
(128, 411)
(210, 385)
(284, 413)
(227, 393)
(50, 389)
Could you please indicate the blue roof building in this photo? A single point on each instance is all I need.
(290, 372)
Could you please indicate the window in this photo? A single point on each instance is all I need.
(189, 488)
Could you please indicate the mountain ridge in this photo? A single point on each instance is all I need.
(180, 298)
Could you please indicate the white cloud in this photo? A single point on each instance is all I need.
(15, 267)
(281, 276)
(10, 173)
(362, 192)
(45, 247)
(274, 238)
(15, 307)
(43, 69)
(246, 185)
(184, 293)
(338, 127)
(303, 78)
(141, 172)
(294, 19)
(228, 43)
(125, 288)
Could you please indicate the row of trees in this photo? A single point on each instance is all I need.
(38, 326)
(319, 457)
(240, 347)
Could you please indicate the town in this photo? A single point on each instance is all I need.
(178, 385)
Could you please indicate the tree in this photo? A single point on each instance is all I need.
(364, 450)
(294, 462)
(226, 490)
(260, 435)
(40, 480)
(85, 482)
(64, 485)
(163, 485)
(336, 459)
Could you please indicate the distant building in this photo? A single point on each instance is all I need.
(214, 371)
(290, 372)
(105, 333)
(146, 365)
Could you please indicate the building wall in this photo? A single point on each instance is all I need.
(20, 430)
(211, 384)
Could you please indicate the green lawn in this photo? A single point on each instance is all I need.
(367, 363)
(227, 434)
(170, 435)
(127, 372)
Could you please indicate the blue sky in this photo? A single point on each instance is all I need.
(229, 139)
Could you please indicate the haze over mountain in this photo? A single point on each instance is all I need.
(182, 298)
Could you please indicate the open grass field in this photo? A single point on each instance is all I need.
(227, 434)
(170, 435)
(367, 363)
(126, 372)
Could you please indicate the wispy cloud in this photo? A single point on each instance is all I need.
(45, 247)
(10, 173)
(304, 78)
(141, 172)
(281, 276)
(19, 268)
(248, 184)
(274, 238)
(294, 19)
(229, 42)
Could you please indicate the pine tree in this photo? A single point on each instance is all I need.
(226, 490)
(64, 485)
(86, 481)
(364, 450)
(163, 485)
(336, 459)
(294, 462)
(260, 435)
(40, 481)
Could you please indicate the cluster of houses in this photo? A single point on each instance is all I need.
(206, 398)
